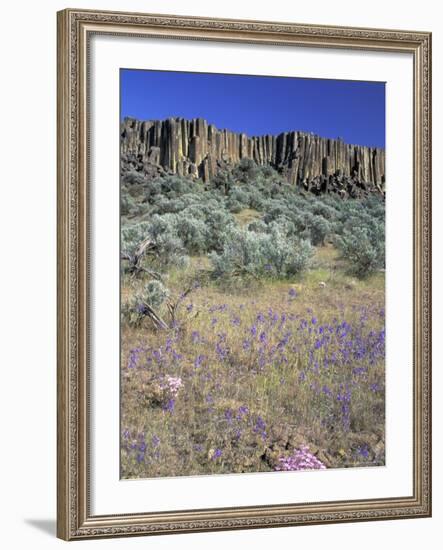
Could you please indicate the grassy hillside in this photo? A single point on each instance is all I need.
(253, 329)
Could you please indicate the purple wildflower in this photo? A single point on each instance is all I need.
(217, 454)
(363, 451)
(169, 406)
(243, 410)
(301, 459)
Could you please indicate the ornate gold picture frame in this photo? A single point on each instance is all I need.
(75, 518)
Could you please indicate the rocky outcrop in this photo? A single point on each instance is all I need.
(198, 149)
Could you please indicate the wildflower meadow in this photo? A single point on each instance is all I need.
(252, 327)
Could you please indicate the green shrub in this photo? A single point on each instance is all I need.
(194, 233)
(245, 171)
(182, 216)
(316, 229)
(223, 181)
(165, 246)
(364, 247)
(132, 177)
(132, 236)
(286, 255)
(154, 293)
(273, 253)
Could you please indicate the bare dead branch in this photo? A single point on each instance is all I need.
(241, 269)
(155, 317)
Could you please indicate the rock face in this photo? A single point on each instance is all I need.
(198, 149)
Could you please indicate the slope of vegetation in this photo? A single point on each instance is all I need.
(252, 326)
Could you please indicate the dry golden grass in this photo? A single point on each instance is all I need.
(260, 388)
(246, 216)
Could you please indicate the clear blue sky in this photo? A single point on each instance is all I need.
(257, 105)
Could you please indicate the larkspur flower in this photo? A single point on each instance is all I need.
(169, 405)
(260, 427)
(217, 454)
(261, 359)
(133, 358)
(198, 361)
(274, 318)
(222, 351)
(238, 434)
(168, 346)
(141, 309)
(243, 410)
(363, 451)
(359, 370)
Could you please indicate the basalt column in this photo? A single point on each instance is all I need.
(198, 149)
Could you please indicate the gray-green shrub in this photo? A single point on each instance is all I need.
(364, 247)
(274, 253)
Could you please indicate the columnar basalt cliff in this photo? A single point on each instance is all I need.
(198, 149)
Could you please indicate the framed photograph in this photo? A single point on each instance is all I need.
(244, 255)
